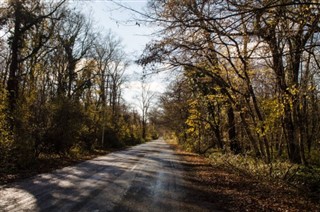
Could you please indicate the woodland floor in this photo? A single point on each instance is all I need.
(232, 191)
(45, 164)
(227, 189)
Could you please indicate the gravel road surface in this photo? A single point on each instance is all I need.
(148, 177)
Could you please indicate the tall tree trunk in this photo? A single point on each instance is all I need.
(292, 141)
(215, 126)
(234, 143)
(13, 81)
(250, 136)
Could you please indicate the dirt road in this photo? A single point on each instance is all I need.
(148, 177)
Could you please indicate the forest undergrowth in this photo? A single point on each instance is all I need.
(237, 183)
(304, 178)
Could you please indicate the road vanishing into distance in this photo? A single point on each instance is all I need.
(148, 177)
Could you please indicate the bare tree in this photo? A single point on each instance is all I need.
(146, 98)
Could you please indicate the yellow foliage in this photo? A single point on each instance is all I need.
(273, 111)
(6, 139)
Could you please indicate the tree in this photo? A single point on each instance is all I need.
(228, 42)
(110, 65)
(175, 110)
(146, 99)
(75, 39)
(24, 15)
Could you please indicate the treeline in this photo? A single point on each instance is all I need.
(249, 81)
(61, 84)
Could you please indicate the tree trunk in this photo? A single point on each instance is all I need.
(234, 144)
(13, 81)
(293, 147)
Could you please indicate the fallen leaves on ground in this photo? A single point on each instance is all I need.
(231, 191)
(45, 164)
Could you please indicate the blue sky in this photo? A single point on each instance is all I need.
(107, 15)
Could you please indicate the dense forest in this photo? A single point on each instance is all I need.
(248, 79)
(61, 85)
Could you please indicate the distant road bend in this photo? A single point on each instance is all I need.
(148, 177)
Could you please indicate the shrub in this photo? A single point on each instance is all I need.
(67, 122)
